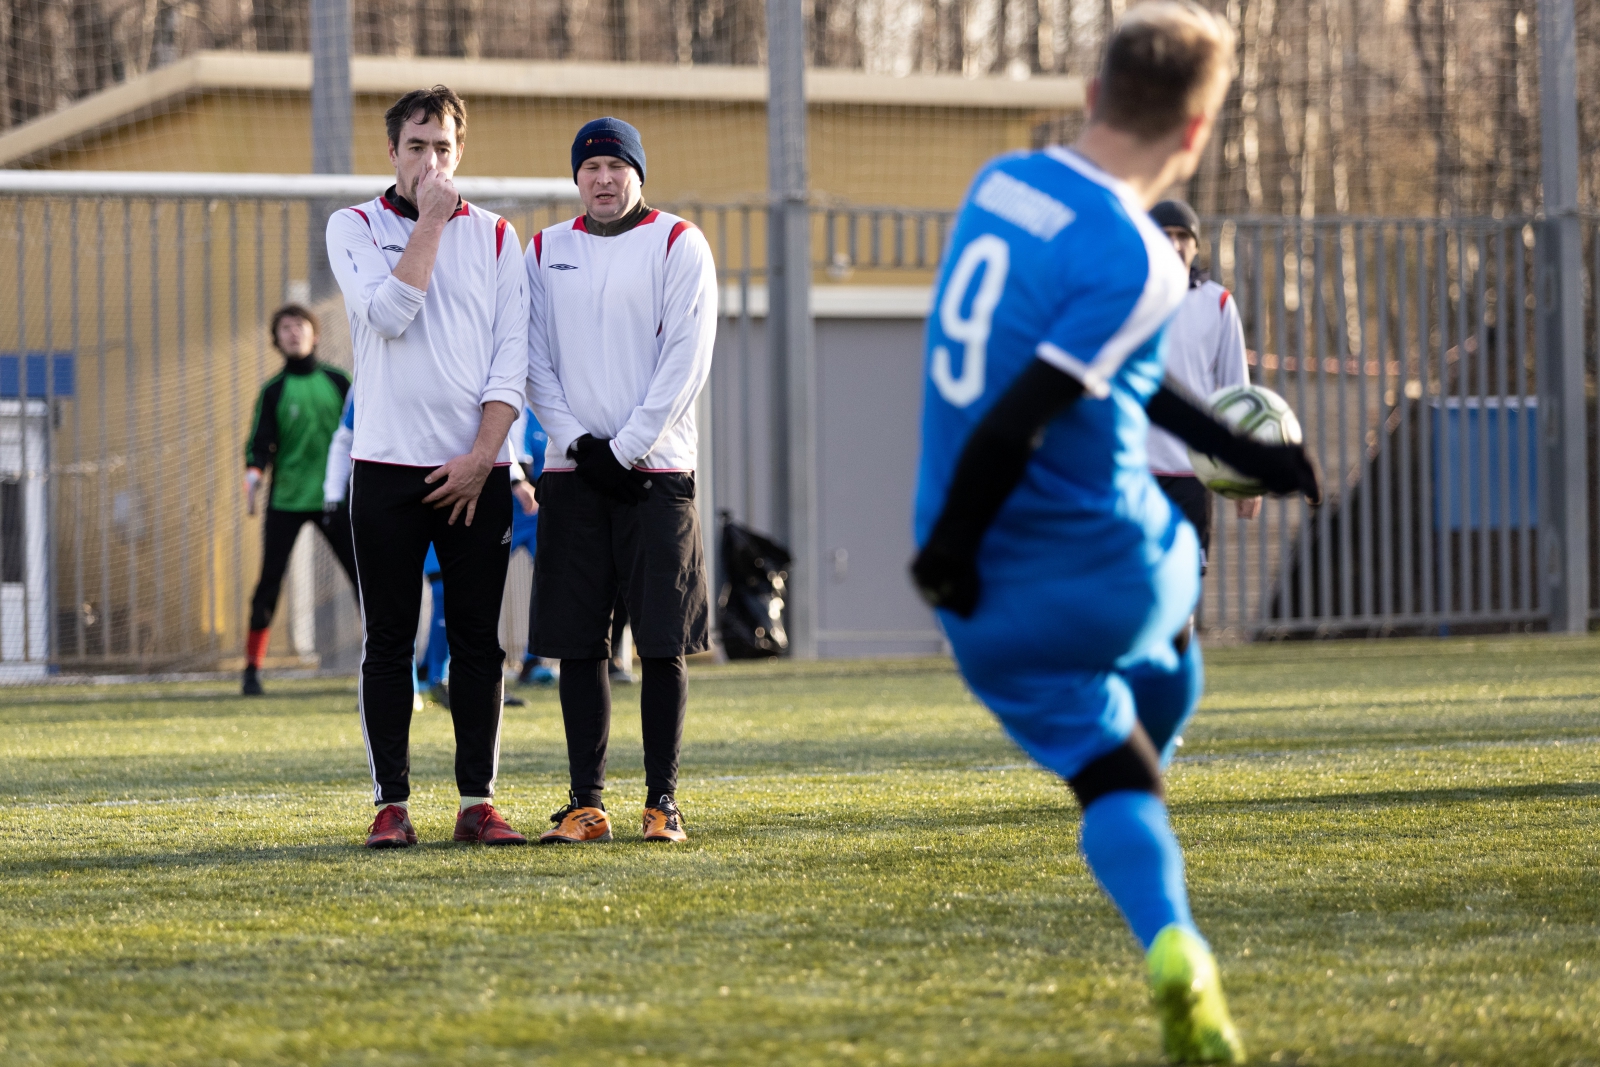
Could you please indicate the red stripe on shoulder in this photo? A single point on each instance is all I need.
(462, 210)
(538, 246)
(363, 215)
(1224, 301)
(678, 231)
(499, 237)
(651, 217)
(577, 224)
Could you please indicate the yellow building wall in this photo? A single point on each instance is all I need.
(711, 152)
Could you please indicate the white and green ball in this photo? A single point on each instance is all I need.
(1257, 413)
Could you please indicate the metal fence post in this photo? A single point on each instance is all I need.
(331, 128)
(789, 332)
(1563, 498)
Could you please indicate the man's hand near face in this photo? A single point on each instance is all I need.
(436, 196)
(1247, 509)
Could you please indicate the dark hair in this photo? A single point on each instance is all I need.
(435, 103)
(294, 311)
(1162, 62)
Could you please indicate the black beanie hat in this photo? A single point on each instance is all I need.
(1177, 215)
(608, 137)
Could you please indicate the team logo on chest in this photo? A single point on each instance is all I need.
(562, 266)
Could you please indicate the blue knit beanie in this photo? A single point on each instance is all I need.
(608, 137)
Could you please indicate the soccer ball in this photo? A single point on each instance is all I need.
(1257, 413)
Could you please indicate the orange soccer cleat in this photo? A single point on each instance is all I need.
(577, 826)
(664, 822)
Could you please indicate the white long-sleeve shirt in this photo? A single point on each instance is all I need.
(620, 333)
(1205, 352)
(427, 361)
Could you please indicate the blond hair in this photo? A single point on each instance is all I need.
(1161, 67)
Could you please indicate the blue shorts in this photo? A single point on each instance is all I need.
(1052, 653)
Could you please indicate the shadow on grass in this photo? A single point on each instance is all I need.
(1403, 798)
(326, 852)
(126, 705)
(1494, 703)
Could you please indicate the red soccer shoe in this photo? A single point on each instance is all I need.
(481, 823)
(391, 829)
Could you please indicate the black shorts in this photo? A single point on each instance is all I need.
(591, 547)
(1194, 500)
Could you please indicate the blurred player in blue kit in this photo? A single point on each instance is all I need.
(1062, 575)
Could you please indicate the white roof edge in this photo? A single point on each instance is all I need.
(352, 187)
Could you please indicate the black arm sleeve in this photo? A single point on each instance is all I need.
(341, 381)
(1281, 469)
(996, 455)
(263, 443)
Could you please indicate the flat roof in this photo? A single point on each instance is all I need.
(211, 71)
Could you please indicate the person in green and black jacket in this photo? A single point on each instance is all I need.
(296, 415)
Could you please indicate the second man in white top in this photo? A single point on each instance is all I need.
(623, 317)
(1205, 353)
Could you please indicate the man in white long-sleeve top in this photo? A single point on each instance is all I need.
(623, 315)
(437, 302)
(1205, 353)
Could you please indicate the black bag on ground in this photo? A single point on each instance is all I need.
(750, 605)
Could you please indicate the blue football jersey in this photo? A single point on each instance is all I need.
(1052, 258)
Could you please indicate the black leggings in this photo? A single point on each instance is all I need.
(392, 530)
(280, 530)
(586, 711)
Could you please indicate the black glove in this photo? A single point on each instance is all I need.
(1284, 470)
(946, 577)
(599, 467)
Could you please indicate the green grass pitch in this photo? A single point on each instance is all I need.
(1394, 847)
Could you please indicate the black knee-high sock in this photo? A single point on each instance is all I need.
(586, 713)
(663, 699)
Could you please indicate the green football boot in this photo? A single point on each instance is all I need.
(1195, 1025)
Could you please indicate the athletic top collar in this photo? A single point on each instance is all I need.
(300, 364)
(640, 214)
(407, 210)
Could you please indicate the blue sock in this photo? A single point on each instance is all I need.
(1166, 699)
(1130, 847)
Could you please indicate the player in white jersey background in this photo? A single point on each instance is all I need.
(437, 302)
(622, 320)
(1205, 352)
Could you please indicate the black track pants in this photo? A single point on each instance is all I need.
(586, 713)
(392, 529)
(279, 531)
(1194, 500)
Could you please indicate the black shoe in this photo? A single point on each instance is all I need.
(511, 700)
(440, 695)
(252, 683)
